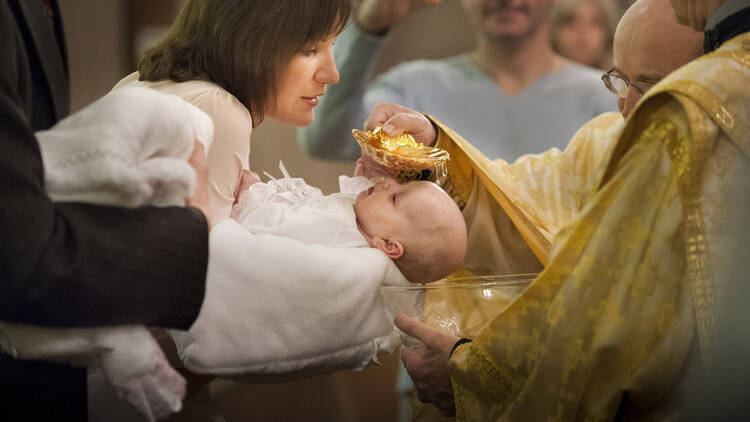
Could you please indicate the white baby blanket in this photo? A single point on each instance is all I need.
(293, 290)
(129, 148)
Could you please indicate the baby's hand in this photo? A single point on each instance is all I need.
(156, 394)
(247, 179)
(136, 367)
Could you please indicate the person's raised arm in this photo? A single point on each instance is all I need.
(347, 103)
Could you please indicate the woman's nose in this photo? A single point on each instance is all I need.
(327, 73)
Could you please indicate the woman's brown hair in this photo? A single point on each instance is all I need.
(242, 45)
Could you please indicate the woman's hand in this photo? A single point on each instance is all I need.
(198, 162)
(427, 365)
(396, 119)
(375, 16)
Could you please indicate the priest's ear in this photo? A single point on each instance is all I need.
(391, 247)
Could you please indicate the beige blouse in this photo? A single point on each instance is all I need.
(230, 150)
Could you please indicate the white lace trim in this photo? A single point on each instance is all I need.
(291, 191)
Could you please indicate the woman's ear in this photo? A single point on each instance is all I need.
(391, 247)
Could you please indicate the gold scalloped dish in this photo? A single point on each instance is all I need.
(400, 152)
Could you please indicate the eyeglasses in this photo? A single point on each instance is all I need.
(618, 84)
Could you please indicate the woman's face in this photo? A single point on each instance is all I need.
(584, 38)
(302, 81)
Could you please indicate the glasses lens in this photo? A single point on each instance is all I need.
(619, 84)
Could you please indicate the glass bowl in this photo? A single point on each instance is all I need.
(459, 306)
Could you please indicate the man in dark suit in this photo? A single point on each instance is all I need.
(71, 264)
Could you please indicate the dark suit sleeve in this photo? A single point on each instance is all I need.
(83, 265)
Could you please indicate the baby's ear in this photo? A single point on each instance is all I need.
(391, 247)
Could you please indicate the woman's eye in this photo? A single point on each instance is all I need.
(311, 51)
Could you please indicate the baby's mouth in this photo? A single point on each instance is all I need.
(369, 190)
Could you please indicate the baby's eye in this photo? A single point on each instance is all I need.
(393, 198)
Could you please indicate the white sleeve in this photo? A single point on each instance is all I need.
(230, 151)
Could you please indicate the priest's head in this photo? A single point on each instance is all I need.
(649, 44)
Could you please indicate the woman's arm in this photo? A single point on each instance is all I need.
(230, 151)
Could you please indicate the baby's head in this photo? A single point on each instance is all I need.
(416, 224)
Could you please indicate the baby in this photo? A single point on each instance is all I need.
(302, 272)
(416, 224)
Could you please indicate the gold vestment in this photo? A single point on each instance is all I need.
(626, 228)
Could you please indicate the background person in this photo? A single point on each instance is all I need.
(583, 31)
(511, 95)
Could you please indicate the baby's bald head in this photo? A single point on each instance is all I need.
(416, 224)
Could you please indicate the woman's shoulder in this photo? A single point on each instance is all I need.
(216, 101)
(211, 98)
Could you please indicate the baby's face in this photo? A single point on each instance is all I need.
(391, 210)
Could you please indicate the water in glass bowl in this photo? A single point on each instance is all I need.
(460, 306)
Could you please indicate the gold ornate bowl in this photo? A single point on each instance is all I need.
(460, 306)
(400, 152)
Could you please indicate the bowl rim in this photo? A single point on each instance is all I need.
(490, 281)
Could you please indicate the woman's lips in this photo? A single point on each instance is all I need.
(312, 101)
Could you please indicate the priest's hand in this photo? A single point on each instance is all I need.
(396, 119)
(427, 364)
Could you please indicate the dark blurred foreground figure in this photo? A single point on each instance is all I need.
(70, 264)
(619, 323)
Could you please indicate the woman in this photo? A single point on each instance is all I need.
(241, 61)
(583, 31)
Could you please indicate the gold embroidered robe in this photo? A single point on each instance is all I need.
(514, 209)
(611, 327)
